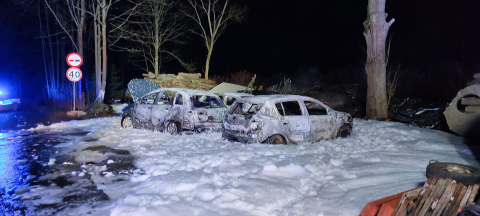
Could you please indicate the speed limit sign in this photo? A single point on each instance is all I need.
(74, 74)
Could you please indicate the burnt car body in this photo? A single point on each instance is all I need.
(281, 119)
(174, 110)
(229, 97)
(420, 113)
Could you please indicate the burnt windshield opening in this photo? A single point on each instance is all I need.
(204, 101)
(246, 109)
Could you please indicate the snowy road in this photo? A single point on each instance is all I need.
(201, 174)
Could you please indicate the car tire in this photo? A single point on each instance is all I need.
(464, 174)
(172, 128)
(344, 131)
(276, 139)
(126, 121)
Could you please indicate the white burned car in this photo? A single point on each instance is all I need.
(174, 109)
(229, 97)
(282, 119)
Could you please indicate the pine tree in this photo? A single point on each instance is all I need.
(114, 85)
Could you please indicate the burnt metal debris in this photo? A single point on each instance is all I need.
(420, 113)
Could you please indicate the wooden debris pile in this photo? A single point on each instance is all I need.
(443, 197)
(182, 80)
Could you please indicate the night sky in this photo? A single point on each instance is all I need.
(301, 40)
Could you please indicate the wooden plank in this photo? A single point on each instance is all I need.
(470, 101)
(429, 200)
(473, 194)
(456, 201)
(452, 199)
(437, 197)
(401, 207)
(423, 195)
(445, 199)
(464, 200)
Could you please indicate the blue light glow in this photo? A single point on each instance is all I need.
(0, 92)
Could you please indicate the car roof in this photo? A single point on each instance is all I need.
(237, 94)
(184, 91)
(275, 97)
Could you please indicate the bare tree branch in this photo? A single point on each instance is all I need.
(212, 17)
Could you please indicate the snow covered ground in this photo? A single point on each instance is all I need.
(201, 174)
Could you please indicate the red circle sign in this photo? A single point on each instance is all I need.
(74, 60)
(74, 74)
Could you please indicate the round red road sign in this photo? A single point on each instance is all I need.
(74, 60)
(74, 74)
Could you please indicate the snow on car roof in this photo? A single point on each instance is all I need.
(184, 91)
(238, 94)
(276, 97)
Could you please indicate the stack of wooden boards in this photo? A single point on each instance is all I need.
(182, 80)
(443, 197)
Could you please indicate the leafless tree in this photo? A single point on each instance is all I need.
(211, 18)
(376, 31)
(99, 10)
(70, 14)
(152, 28)
(54, 26)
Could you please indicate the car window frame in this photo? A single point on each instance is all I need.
(154, 101)
(162, 92)
(176, 97)
(283, 107)
(327, 109)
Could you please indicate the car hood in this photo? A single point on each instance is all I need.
(140, 87)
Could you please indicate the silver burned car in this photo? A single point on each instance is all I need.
(174, 109)
(282, 119)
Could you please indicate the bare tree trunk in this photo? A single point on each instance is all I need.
(43, 50)
(157, 39)
(81, 15)
(51, 68)
(98, 63)
(104, 47)
(376, 31)
(207, 63)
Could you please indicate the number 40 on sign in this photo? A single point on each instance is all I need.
(74, 74)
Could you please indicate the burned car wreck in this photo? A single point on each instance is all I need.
(420, 113)
(282, 119)
(174, 109)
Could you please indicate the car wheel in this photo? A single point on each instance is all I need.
(172, 128)
(464, 174)
(344, 131)
(127, 121)
(276, 139)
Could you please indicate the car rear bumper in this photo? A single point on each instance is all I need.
(240, 137)
(208, 127)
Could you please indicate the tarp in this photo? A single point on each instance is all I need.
(140, 87)
(227, 87)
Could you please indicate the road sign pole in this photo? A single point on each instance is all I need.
(73, 96)
(74, 60)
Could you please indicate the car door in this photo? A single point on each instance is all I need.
(143, 110)
(321, 123)
(162, 108)
(294, 121)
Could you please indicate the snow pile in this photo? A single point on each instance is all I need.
(201, 174)
(117, 108)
